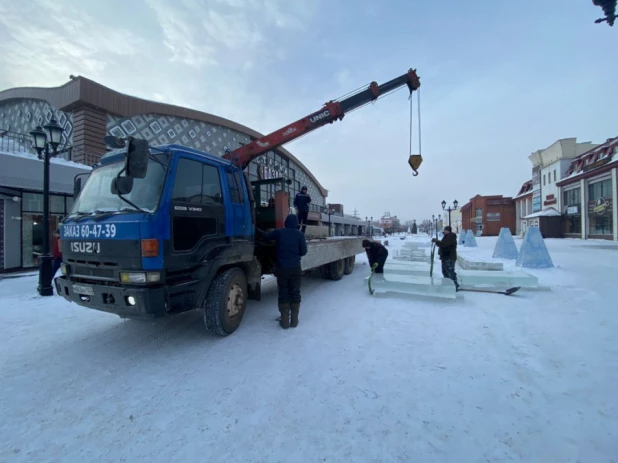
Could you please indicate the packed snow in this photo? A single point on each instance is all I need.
(386, 378)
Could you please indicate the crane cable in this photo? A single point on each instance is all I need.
(415, 160)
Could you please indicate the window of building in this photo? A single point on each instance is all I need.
(543, 179)
(600, 200)
(554, 175)
(479, 212)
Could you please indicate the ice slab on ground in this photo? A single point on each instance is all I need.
(533, 252)
(469, 264)
(470, 277)
(505, 246)
(470, 240)
(418, 285)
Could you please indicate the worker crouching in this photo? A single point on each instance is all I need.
(290, 246)
(376, 254)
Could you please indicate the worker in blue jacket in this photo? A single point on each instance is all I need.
(290, 246)
(301, 203)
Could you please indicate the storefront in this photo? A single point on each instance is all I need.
(21, 206)
(588, 194)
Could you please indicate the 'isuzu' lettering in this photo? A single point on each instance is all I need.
(86, 247)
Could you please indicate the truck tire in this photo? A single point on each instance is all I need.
(349, 265)
(225, 302)
(334, 270)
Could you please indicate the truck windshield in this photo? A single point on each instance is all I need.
(97, 192)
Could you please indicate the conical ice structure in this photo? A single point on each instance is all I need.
(462, 237)
(470, 240)
(505, 246)
(533, 252)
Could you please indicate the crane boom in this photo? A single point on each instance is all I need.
(331, 112)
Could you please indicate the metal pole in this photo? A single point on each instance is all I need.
(45, 277)
(449, 216)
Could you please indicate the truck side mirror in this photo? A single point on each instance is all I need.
(77, 186)
(138, 153)
(122, 185)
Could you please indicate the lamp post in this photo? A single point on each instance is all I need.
(330, 211)
(41, 145)
(449, 209)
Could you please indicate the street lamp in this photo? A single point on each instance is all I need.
(330, 211)
(41, 145)
(449, 209)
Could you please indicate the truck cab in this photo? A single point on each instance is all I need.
(148, 242)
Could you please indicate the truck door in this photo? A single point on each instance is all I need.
(197, 212)
(240, 223)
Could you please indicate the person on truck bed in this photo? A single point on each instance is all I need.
(301, 203)
(290, 247)
(376, 253)
(448, 254)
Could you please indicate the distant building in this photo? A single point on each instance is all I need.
(486, 215)
(549, 166)
(389, 222)
(588, 194)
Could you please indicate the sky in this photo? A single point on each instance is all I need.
(499, 80)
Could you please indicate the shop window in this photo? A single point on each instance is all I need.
(56, 204)
(32, 202)
(600, 207)
(32, 237)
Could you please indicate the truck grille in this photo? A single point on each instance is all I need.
(93, 272)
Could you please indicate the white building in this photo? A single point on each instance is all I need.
(538, 202)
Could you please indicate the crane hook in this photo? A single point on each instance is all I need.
(415, 161)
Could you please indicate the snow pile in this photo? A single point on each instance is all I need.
(505, 246)
(470, 240)
(533, 252)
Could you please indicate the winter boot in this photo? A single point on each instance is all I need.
(284, 308)
(295, 308)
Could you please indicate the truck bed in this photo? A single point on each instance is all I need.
(324, 251)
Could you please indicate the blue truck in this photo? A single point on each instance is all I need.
(160, 230)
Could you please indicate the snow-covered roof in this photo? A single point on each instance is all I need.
(25, 171)
(549, 212)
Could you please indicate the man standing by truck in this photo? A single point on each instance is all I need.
(301, 203)
(448, 254)
(290, 246)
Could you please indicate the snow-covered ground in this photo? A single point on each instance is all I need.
(528, 378)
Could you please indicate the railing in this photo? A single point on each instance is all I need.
(14, 142)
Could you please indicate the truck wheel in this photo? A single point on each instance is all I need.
(335, 269)
(226, 302)
(349, 265)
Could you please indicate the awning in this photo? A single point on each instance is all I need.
(549, 212)
(25, 171)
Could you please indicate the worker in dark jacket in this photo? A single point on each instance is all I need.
(301, 203)
(376, 253)
(448, 254)
(290, 247)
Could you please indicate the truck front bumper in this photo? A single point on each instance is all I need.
(131, 302)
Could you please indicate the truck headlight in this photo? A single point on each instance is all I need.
(63, 269)
(140, 277)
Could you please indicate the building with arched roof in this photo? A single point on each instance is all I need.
(88, 111)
